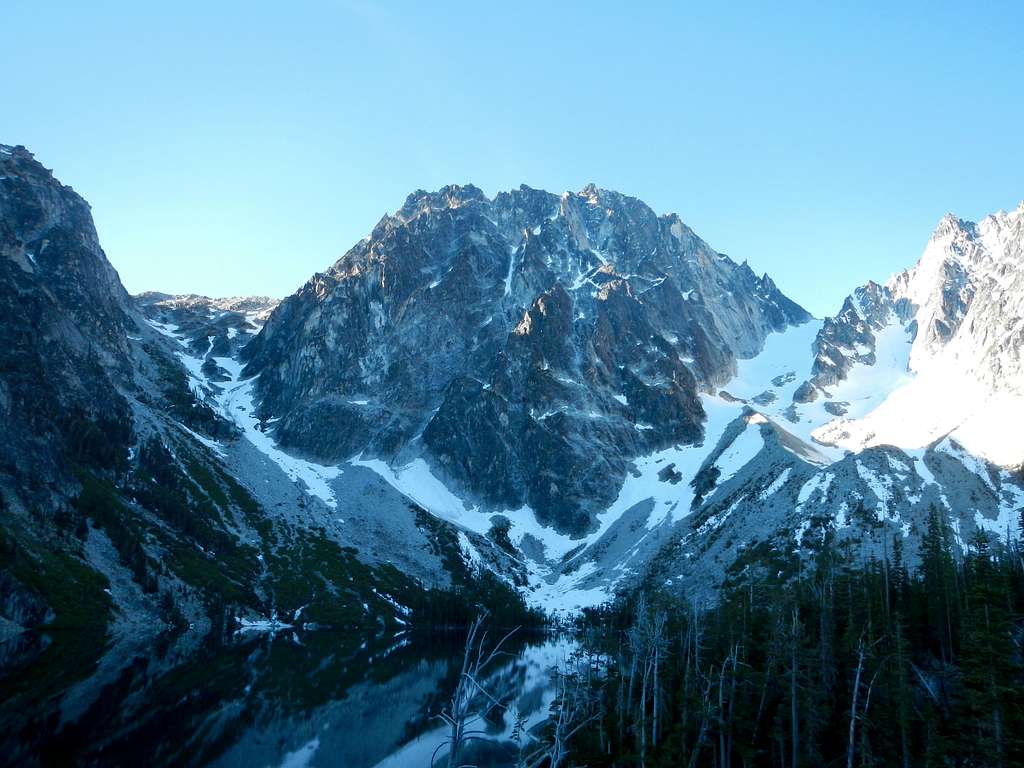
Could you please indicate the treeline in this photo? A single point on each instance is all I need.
(472, 591)
(456, 607)
(855, 664)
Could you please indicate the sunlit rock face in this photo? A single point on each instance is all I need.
(528, 346)
(941, 341)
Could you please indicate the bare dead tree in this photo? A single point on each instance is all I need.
(853, 704)
(793, 688)
(863, 651)
(576, 705)
(621, 706)
(460, 714)
(768, 677)
(647, 643)
(706, 684)
(657, 651)
(725, 704)
(641, 611)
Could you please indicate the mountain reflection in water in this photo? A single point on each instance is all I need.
(285, 699)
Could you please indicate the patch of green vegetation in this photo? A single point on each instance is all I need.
(99, 501)
(78, 630)
(444, 543)
(763, 562)
(99, 441)
(471, 591)
(313, 571)
(70, 587)
(194, 503)
(204, 478)
(202, 554)
(223, 577)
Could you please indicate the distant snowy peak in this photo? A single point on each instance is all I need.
(967, 292)
(941, 286)
(942, 343)
(256, 307)
(209, 326)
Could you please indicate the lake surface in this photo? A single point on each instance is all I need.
(290, 699)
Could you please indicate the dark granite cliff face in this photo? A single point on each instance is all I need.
(64, 319)
(529, 346)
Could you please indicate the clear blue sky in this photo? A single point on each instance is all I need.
(238, 147)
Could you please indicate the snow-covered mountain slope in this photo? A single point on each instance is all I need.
(936, 351)
(909, 398)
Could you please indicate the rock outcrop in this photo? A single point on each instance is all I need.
(529, 346)
(64, 318)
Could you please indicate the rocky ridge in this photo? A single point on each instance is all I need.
(527, 347)
(569, 392)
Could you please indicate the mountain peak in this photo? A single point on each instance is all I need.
(448, 196)
(629, 316)
(951, 225)
(16, 150)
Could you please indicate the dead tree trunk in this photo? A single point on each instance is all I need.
(459, 715)
(793, 708)
(853, 703)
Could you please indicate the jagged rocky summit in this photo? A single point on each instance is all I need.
(528, 347)
(939, 346)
